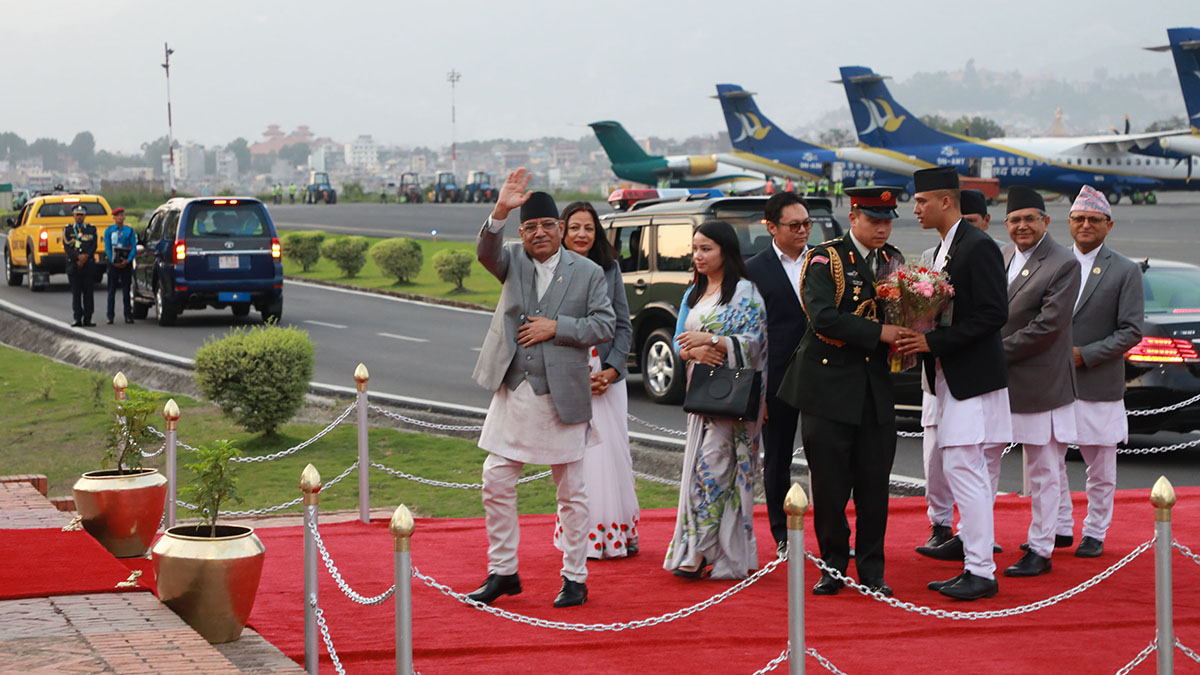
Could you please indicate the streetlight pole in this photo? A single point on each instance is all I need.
(453, 77)
(167, 51)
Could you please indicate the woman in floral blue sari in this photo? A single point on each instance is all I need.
(721, 311)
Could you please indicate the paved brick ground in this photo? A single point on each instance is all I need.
(109, 632)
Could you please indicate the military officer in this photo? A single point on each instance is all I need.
(79, 243)
(838, 379)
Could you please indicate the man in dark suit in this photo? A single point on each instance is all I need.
(839, 380)
(776, 273)
(1106, 323)
(965, 405)
(1043, 284)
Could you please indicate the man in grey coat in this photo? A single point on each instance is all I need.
(1107, 323)
(1043, 283)
(553, 307)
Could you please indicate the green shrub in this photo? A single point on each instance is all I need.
(129, 431)
(258, 377)
(349, 254)
(398, 258)
(453, 266)
(303, 248)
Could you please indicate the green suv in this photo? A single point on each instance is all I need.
(654, 239)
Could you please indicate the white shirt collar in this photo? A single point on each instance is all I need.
(1088, 258)
(785, 258)
(862, 250)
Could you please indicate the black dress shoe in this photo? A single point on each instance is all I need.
(1030, 565)
(129, 319)
(827, 586)
(971, 587)
(573, 594)
(495, 586)
(631, 547)
(877, 586)
(89, 324)
(1060, 541)
(951, 550)
(1089, 547)
(996, 548)
(77, 324)
(691, 574)
(938, 535)
(939, 585)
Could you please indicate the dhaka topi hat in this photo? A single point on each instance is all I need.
(973, 201)
(1091, 199)
(1021, 197)
(936, 178)
(539, 205)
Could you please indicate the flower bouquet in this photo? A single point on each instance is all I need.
(912, 297)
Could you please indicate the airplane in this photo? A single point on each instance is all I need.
(1121, 165)
(631, 162)
(1185, 48)
(760, 143)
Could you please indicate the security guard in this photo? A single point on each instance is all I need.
(119, 242)
(79, 242)
(292, 193)
(839, 380)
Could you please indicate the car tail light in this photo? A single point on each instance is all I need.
(1163, 350)
(180, 251)
(43, 242)
(276, 252)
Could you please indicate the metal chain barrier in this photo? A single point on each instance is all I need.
(991, 614)
(337, 577)
(337, 663)
(421, 423)
(1137, 660)
(1187, 651)
(277, 507)
(156, 453)
(1152, 451)
(460, 486)
(787, 653)
(598, 627)
(651, 425)
(910, 434)
(305, 444)
(1165, 409)
(656, 479)
(1187, 552)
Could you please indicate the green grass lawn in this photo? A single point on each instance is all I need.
(56, 416)
(481, 288)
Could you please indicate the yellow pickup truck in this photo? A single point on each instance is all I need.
(33, 247)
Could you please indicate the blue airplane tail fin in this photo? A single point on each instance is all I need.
(749, 129)
(619, 145)
(1185, 47)
(879, 119)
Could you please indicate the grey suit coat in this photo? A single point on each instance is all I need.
(1107, 323)
(1037, 338)
(614, 352)
(577, 299)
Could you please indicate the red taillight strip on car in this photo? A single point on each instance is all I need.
(1163, 350)
(276, 251)
(180, 251)
(43, 242)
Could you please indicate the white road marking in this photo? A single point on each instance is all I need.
(476, 349)
(322, 323)
(401, 337)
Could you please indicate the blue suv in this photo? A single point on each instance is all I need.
(208, 252)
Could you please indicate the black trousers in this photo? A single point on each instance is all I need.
(81, 280)
(779, 442)
(845, 458)
(119, 278)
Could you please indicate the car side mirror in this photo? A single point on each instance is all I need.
(9, 222)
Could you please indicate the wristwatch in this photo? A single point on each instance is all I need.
(715, 339)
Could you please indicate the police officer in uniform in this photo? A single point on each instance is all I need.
(839, 380)
(79, 242)
(119, 242)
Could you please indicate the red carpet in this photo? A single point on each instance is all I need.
(1097, 631)
(43, 562)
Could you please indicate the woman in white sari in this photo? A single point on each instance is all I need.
(721, 311)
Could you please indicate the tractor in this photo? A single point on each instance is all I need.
(410, 188)
(319, 189)
(479, 187)
(445, 189)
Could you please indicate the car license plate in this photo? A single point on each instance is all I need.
(228, 262)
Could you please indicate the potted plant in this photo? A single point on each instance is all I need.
(123, 507)
(208, 574)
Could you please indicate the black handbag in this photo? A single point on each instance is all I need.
(724, 392)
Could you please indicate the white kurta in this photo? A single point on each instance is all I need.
(1040, 428)
(1101, 422)
(525, 427)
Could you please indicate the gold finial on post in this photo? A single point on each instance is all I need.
(120, 384)
(361, 376)
(1162, 496)
(795, 505)
(310, 484)
(171, 414)
(401, 527)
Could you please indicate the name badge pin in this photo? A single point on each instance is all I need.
(1095, 270)
(1024, 273)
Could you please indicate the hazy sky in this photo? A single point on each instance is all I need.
(528, 68)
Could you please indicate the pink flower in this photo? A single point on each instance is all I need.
(924, 288)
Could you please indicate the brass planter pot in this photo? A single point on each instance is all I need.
(121, 509)
(209, 582)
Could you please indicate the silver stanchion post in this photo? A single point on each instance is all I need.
(171, 416)
(795, 504)
(401, 528)
(364, 464)
(1163, 498)
(310, 486)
